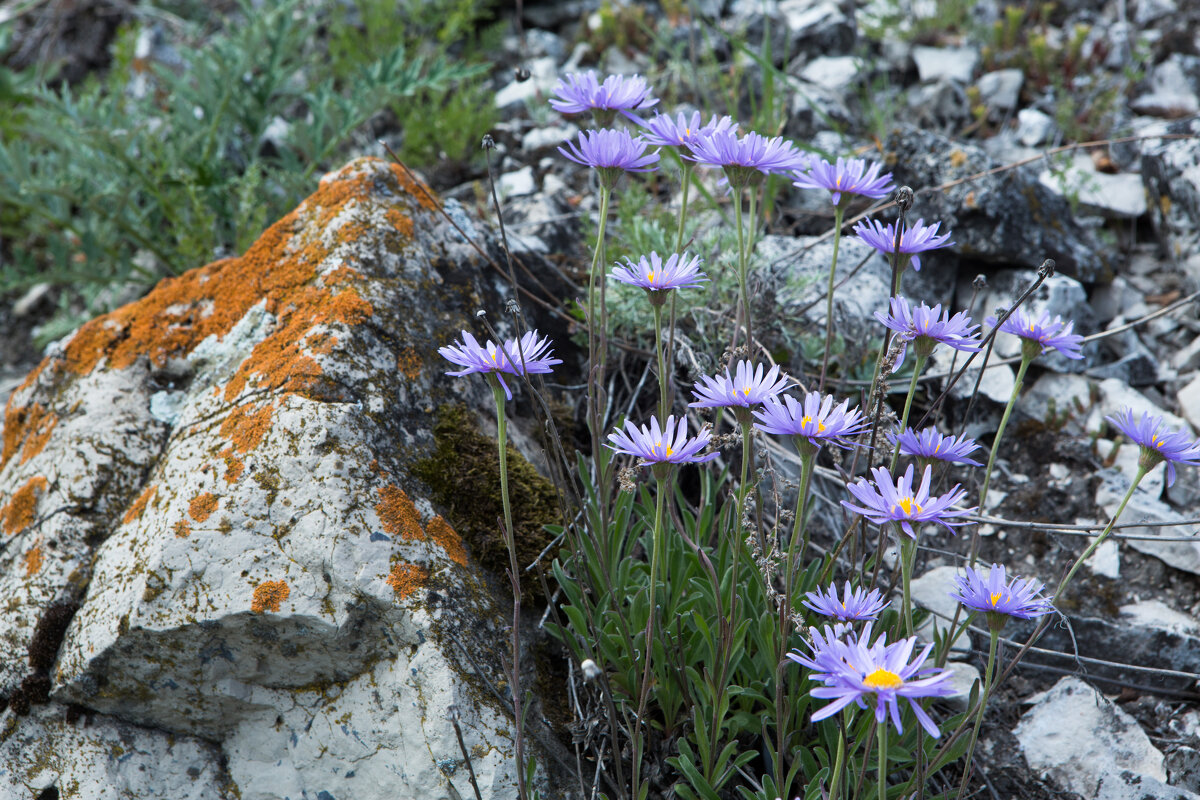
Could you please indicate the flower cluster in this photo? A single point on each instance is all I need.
(847, 176)
(998, 598)
(657, 276)
(930, 445)
(927, 327)
(812, 422)
(854, 604)
(914, 240)
(580, 92)
(611, 153)
(747, 387)
(667, 444)
(853, 671)
(1043, 333)
(742, 158)
(1157, 445)
(682, 131)
(527, 355)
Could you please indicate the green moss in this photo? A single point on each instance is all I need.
(463, 473)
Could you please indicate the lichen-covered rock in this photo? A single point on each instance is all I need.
(1006, 218)
(220, 474)
(1171, 173)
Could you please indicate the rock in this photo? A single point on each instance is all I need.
(543, 77)
(1171, 171)
(1001, 90)
(1161, 536)
(1006, 218)
(28, 302)
(814, 108)
(941, 105)
(106, 759)
(1189, 402)
(540, 43)
(1078, 738)
(1148, 11)
(1106, 560)
(818, 27)
(516, 184)
(932, 591)
(950, 63)
(1056, 394)
(1120, 196)
(1128, 785)
(1169, 91)
(546, 138)
(965, 676)
(1115, 395)
(269, 571)
(1034, 127)
(833, 73)
(1157, 614)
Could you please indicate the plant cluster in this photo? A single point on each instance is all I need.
(155, 167)
(703, 611)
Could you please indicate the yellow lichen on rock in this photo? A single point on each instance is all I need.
(202, 506)
(19, 513)
(269, 595)
(440, 531)
(33, 560)
(406, 579)
(26, 430)
(139, 505)
(398, 514)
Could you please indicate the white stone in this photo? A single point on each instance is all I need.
(516, 184)
(1171, 93)
(832, 72)
(1183, 553)
(932, 591)
(1116, 395)
(102, 758)
(997, 384)
(1056, 392)
(1157, 614)
(1034, 127)
(964, 677)
(952, 63)
(1126, 462)
(1075, 737)
(1120, 196)
(543, 77)
(1128, 785)
(539, 138)
(1189, 401)
(1001, 89)
(1106, 560)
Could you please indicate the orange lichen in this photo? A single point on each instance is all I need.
(26, 429)
(19, 512)
(139, 505)
(279, 268)
(202, 506)
(409, 363)
(233, 465)
(182, 528)
(246, 428)
(440, 531)
(406, 578)
(341, 275)
(268, 596)
(33, 561)
(398, 514)
(399, 221)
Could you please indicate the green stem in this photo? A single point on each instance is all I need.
(799, 529)
(883, 760)
(839, 760)
(655, 551)
(662, 365)
(908, 555)
(751, 234)
(594, 358)
(837, 238)
(912, 390)
(983, 698)
(1012, 401)
(742, 281)
(685, 178)
(1141, 473)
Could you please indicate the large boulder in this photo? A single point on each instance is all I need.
(220, 478)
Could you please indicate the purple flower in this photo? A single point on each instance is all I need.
(745, 388)
(926, 327)
(530, 355)
(662, 446)
(898, 503)
(853, 671)
(1171, 446)
(929, 445)
(994, 596)
(856, 604)
(851, 176)
(742, 158)
(656, 275)
(828, 650)
(813, 422)
(682, 131)
(579, 92)
(917, 238)
(611, 153)
(1045, 332)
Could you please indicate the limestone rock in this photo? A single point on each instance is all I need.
(260, 568)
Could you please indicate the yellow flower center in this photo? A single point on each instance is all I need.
(996, 598)
(883, 679)
(650, 277)
(746, 391)
(908, 504)
(806, 421)
(658, 445)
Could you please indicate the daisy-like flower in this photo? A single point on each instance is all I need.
(658, 277)
(682, 131)
(662, 445)
(811, 423)
(880, 673)
(929, 445)
(745, 159)
(847, 176)
(1157, 444)
(854, 604)
(999, 598)
(581, 91)
(916, 239)
(746, 387)
(927, 327)
(827, 648)
(1042, 334)
(531, 355)
(897, 502)
(611, 153)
